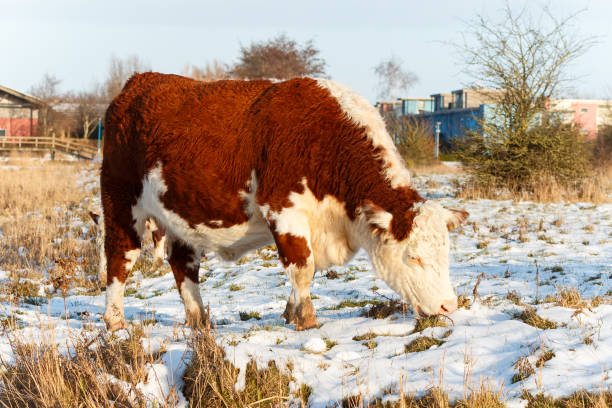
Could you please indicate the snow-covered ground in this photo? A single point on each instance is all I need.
(571, 244)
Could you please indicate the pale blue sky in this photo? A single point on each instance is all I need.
(74, 39)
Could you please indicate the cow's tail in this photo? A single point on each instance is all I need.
(102, 253)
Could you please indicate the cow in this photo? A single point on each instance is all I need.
(158, 236)
(231, 166)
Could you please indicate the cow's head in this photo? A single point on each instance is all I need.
(417, 266)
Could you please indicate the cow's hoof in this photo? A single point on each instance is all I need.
(200, 320)
(112, 325)
(289, 313)
(305, 316)
(304, 324)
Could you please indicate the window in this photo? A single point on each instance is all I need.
(2, 132)
(584, 110)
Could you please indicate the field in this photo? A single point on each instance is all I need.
(535, 313)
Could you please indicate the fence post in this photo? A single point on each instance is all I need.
(53, 147)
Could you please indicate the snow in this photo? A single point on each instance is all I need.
(571, 243)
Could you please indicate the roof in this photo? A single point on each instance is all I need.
(28, 98)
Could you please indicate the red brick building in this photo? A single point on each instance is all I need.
(18, 113)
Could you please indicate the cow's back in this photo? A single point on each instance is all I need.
(169, 118)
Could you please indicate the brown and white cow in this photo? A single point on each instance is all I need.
(231, 166)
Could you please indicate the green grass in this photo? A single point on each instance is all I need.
(421, 343)
(346, 303)
(430, 321)
(244, 316)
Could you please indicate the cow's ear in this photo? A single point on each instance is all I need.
(95, 217)
(455, 218)
(377, 216)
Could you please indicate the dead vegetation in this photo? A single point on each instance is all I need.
(382, 310)
(430, 321)
(570, 297)
(43, 220)
(530, 317)
(210, 379)
(482, 396)
(95, 371)
(594, 189)
(579, 399)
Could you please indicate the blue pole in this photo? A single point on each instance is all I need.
(99, 134)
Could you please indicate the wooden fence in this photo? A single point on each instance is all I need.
(74, 147)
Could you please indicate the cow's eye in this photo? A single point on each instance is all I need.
(416, 260)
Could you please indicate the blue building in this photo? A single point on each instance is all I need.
(406, 106)
(458, 113)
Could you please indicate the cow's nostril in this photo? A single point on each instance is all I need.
(448, 307)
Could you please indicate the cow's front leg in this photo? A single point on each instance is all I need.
(185, 263)
(296, 255)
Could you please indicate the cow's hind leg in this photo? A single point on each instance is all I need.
(295, 252)
(185, 263)
(122, 248)
(158, 234)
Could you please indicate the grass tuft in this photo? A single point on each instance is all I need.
(570, 297)
(430, 321)
(244, 316)
(530, 317)
(382, 310)
(210, 380)
(421, 343)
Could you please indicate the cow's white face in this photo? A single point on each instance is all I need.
(417, 267)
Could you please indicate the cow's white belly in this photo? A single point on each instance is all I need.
(229, 242)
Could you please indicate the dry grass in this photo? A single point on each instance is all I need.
(579, 399)
(530, 317)
(594, 189)
(430, 321)
(570, 297)
(42, 208)
(483, 396)
(436, 168)
(210, 380)
(100, 371)
(382, 310)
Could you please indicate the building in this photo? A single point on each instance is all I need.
(405, 106)
(462, 111)
(18, 113)
(459, 112)
(588, 114)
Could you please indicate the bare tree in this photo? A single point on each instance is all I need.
(523, 58)
(393, 79)
(210, 72)
(279, 58)
(89, 109)
(47, 90)
(119, 71)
